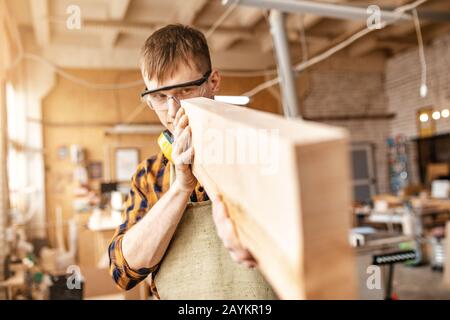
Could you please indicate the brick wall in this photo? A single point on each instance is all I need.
(403, 82)
(344, 93)
(402, 91)
(340, 93)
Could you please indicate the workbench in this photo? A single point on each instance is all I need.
(413, 218)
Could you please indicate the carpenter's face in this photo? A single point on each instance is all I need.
(167, 102)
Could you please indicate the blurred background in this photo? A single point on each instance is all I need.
(73, 127)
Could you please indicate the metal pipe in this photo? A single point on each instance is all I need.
(286, 74)
(329, 10)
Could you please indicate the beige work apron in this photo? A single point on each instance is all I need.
(198, 266)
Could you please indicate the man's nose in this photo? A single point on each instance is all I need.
(173, 107)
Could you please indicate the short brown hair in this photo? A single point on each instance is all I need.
(171, 45)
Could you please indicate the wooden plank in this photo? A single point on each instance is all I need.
(447, 259)
(290, 202)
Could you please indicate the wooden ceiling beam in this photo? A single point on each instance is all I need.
(117, 11)
(351, 27)
(133, 27)
(41, 26)
(188, 16)
(76, 56)
(363, 47)
(250, 17)
(435, 30)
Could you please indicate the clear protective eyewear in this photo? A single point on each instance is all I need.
(158, 100)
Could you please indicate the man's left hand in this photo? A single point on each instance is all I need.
(227, 233)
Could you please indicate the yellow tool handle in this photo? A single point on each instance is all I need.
(164, 142)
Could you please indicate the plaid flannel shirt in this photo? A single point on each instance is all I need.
(149, 183)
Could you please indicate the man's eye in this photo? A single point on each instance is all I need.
(186, 91)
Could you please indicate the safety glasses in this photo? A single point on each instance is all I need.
(157, 99)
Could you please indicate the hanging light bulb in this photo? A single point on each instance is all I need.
(423, 117)
(445, 113)
(423, 62)
(423, 90)
(436, 115)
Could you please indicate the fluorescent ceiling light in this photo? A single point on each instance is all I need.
(237, 100)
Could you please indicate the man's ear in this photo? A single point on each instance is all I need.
(214, 81)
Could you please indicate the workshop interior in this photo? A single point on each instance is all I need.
(371, 75)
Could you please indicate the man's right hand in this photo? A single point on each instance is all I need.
(145, 243)
(183, 153)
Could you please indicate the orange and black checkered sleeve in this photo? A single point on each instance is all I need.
(141, 198)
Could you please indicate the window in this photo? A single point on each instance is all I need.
(363, 172)
(16, 135)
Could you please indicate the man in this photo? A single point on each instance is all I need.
(175, 65)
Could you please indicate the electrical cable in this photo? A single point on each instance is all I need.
(82, 82)
(303, 41)
(423, 62)
(250, 74)
(297, 68)
(136, 111)
(34, 57)
(221, 19)
(79, 81)
(319, 58)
